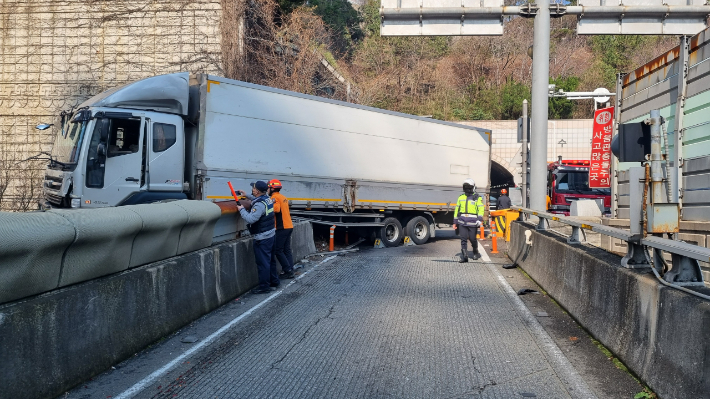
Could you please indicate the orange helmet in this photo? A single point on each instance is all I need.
(504, 191)
(274, 183)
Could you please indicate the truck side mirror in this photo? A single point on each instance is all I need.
(101, 151)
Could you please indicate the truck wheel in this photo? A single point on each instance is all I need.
(418, 230)
(391, 233)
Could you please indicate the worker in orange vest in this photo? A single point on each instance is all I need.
(284, 228)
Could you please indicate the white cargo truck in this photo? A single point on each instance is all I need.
(180, 136)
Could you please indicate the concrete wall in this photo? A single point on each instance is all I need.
(570, 138)
(660, 333)
(54, 341)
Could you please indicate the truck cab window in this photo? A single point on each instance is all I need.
(123, 138)
(164, 136)
(94, 165)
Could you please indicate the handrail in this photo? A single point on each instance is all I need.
(685, 256)
(678, 247)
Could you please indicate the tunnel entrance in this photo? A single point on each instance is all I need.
(500, 178)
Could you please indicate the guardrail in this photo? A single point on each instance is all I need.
(685, 270)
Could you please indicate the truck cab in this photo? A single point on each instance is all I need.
(122, 147)
(568, 181)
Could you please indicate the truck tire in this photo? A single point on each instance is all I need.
(418, 230)
(391, 233)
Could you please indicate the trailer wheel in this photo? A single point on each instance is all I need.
(418, 230)
(391, 233)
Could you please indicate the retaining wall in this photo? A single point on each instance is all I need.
(56, 340)
(660, 333)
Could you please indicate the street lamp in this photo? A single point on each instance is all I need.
(600, 95)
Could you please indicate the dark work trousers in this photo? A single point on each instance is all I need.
(282, 250)
(468, 233)
(268, 275)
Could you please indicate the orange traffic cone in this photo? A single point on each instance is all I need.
(494, 243)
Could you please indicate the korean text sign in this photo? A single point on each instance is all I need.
(600, 160)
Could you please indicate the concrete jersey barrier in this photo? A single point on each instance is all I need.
(199, 228)
(658, 332)
(30, 263)
(102, 244)
(54, 341)
(41, 251)
(160, 233)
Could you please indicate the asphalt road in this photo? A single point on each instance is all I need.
(407, 322)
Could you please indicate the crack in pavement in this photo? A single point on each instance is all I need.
(481, 388)
(305, 334)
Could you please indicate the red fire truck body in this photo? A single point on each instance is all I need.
(568, 181)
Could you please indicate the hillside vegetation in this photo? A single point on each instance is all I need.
(449, 78)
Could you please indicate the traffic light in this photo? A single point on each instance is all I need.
(633, 142)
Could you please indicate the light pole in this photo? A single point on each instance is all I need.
(540, 81)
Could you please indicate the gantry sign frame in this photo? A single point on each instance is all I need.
(485, 18)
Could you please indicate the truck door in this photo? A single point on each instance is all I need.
(166, 154)
(114, 159)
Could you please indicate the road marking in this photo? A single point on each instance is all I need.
(575, 385)
(144, 383)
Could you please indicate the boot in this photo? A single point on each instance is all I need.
(464, 257)
(476, 256)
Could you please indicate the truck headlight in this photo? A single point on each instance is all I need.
(75, 202)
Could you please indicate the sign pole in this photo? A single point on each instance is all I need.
(524, 154)
(540, 81)
(677, 169)
(614, 162)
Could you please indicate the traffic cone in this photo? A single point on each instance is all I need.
(494, 240)
(482, 233)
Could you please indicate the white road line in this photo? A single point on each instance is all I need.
(144, 383)
(575, 385)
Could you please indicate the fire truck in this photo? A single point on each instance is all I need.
(568, 181)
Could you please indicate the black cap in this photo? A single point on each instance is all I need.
(260, 185)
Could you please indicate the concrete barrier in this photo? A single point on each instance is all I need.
(587, 208)
(102, 243)
(30, 263)
(302, 242)
(660, 333)
(57, 340)
(201, 219)
(160, 232)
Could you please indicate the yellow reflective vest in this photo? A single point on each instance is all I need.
(469, 210)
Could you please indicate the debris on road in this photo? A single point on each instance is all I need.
(524, 291)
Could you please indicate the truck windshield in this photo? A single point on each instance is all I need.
(66, 147)
(577, 182)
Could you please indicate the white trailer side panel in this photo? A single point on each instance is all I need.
(260, 131)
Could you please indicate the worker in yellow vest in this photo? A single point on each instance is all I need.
(468, 217)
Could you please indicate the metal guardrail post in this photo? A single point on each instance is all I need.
(574, 238)
(635, 257)
(541, 224)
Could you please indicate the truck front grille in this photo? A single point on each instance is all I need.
(54, 199)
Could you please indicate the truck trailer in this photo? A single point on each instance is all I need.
(180, 136)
